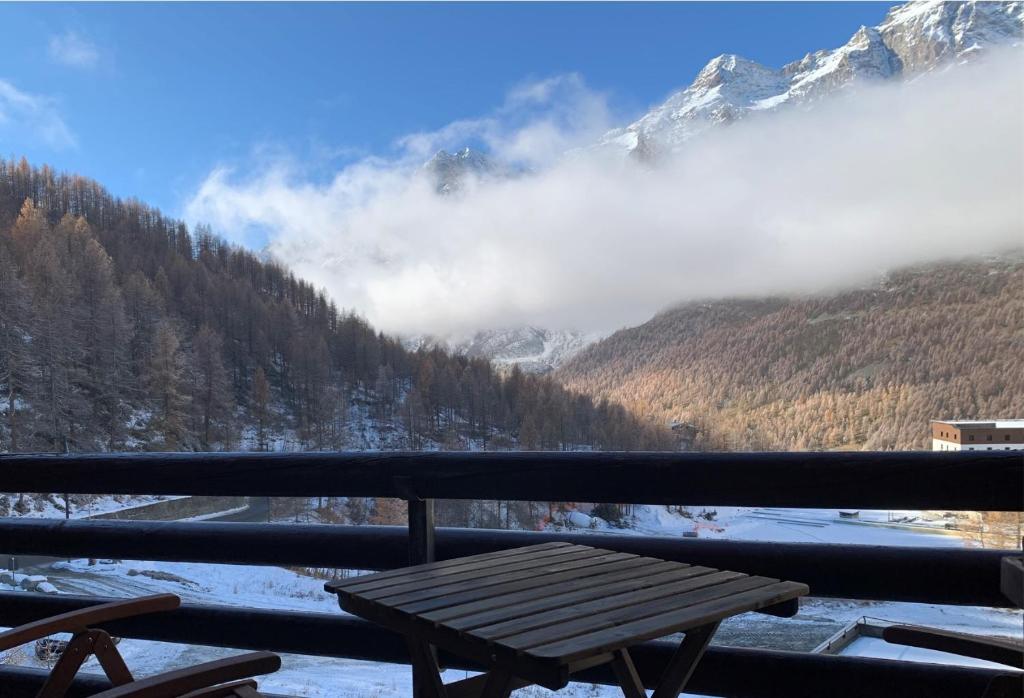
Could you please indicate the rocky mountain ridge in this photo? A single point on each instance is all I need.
(913, 38)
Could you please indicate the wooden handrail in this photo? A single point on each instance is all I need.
(85, 618)
(173, 684)
(968, 481)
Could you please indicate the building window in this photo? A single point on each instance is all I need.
(1007, 437)
(971, 437)
(988, 438)
(989, 448)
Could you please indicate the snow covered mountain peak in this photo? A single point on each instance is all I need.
(913, 38)
(450, 170)
(730, 68)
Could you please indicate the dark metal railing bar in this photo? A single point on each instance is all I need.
(968, 576)
(969, 481)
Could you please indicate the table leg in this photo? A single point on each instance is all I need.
(684, 661)
(499, 684)
(426, 675)
(625, 672)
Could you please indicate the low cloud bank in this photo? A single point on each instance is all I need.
(793, 202)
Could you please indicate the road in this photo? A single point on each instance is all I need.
(258, 511)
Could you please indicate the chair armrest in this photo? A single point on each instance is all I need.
(173, 684)
(245, 687)
(76, 621)
(989, 649)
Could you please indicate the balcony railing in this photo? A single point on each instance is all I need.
(988, 481)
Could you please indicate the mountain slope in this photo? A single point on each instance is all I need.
(913, 38)
(860, 369)
(121, 329)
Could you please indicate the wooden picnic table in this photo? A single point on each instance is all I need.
(538, 614)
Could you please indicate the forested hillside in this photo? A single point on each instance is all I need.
(121, 329)
(860, 369)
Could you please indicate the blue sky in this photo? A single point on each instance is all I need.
(149, 99)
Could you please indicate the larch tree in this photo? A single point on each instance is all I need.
(260, 404)
(165, 383)
(16, 368)
(211, 390)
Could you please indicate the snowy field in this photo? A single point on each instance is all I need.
(270, 587)
(52, 506)
(776, 525)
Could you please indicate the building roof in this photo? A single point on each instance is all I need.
(984, 423)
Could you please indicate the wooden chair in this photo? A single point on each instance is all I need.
(996, 650)
(223, 678)
(989, 649)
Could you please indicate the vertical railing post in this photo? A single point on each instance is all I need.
(421, 551)
(421, 531)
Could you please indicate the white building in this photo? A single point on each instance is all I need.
(978, 435)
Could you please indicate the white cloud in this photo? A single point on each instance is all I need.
(795, 202)
(26, 117)
(538, 121)
(72, 49)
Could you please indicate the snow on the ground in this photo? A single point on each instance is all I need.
(52, 506)
(878, 648)
(232, 585)
(216, 514)
(771, 524)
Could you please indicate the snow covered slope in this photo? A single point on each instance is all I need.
(532, 349)
(913, 38)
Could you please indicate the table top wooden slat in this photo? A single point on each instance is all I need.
(369, 581)
(590, 613)
(556, 602)
(535, 587)
(482, 577)
(576, 590)
(446, 595)
(719, 585)
(627, 634)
